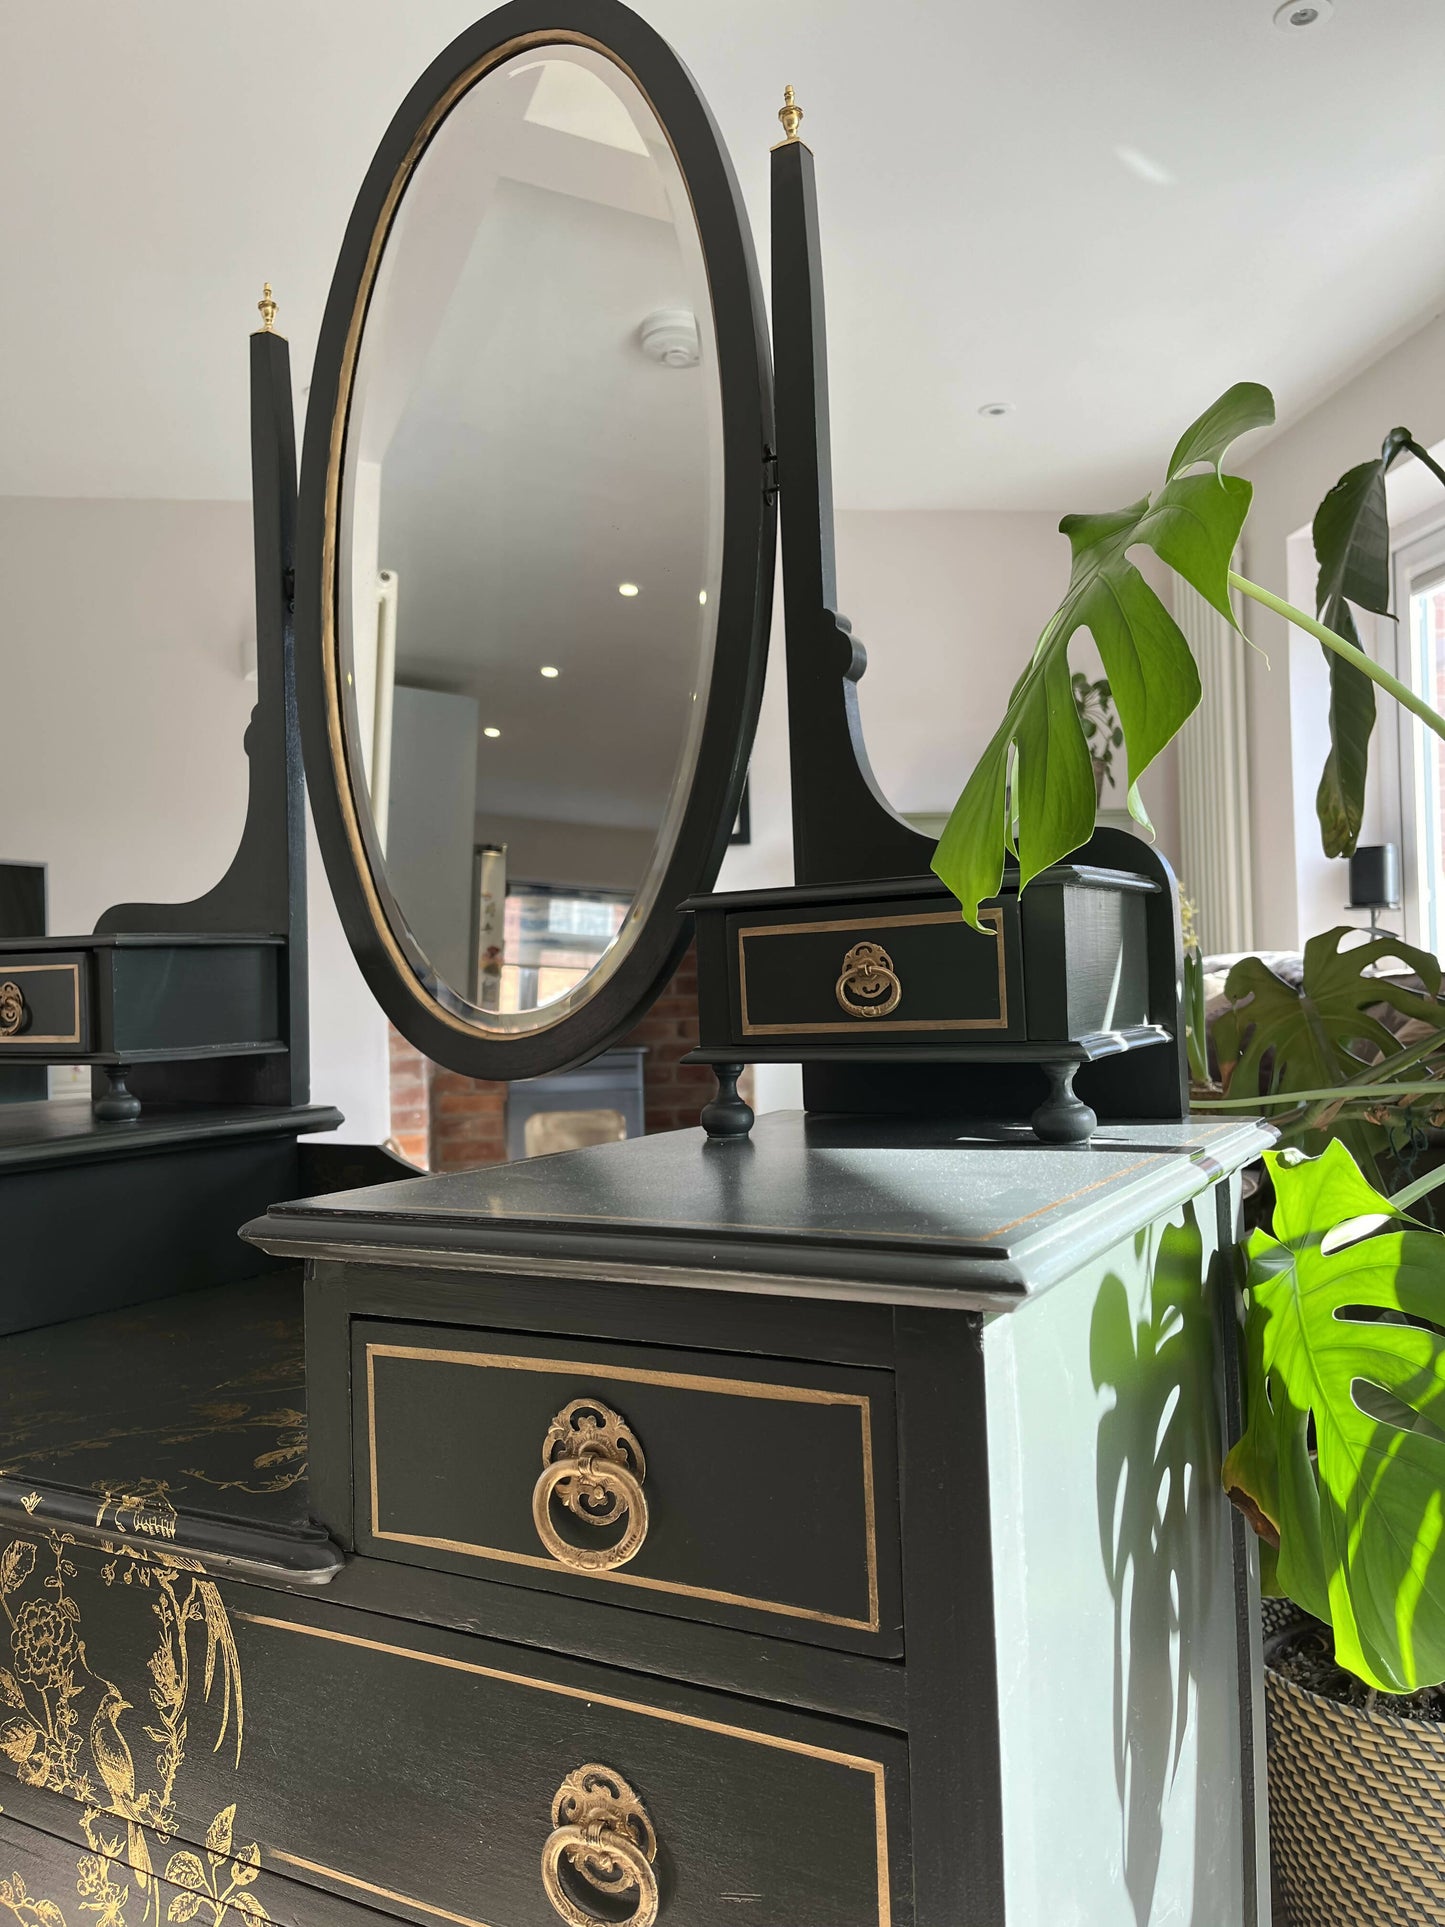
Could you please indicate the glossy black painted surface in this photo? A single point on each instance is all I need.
(888, 1209)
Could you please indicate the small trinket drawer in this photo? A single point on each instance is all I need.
(895, 969)
(741, 1490)
(135, 999)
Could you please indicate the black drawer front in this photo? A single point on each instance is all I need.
(769, 1488)
(421, 1771)
(918, 970)
(216, 1735)
(44, 1003)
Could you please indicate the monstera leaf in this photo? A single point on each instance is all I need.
(1193, 524)
(1352, 547)
(1342, 1463)
(1310, 1031)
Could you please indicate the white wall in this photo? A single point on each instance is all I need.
(1297, 890)
(123, 703)
(949, 604)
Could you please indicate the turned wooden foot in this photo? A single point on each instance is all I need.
(116, 1104)
(727, 1115)
(1063, 1117)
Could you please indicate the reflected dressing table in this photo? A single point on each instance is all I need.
(809, 1521)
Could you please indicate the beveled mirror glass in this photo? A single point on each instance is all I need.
(531, 532)
(525, 537)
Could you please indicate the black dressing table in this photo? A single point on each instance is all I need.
(811, 1520)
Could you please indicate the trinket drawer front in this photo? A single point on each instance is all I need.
(745, 1491)
(135, 1000)
(427, 1774)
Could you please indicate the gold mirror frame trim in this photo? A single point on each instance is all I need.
(465, 1017)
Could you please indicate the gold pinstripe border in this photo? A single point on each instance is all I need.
(855, 1762)
(725, 1387)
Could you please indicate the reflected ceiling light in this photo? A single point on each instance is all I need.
(702, 598)
(490, 731)
(1297, 14)
(627, 588)
(992, 409)
(669, 335)
(548, 670)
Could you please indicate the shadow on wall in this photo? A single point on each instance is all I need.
(1159, 1510)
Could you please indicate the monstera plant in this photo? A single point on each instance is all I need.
(1341, 1466)
(1031, 795)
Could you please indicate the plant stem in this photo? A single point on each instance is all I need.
(1341, 1093)
(1365, 664)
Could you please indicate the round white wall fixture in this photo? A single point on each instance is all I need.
(1295, 15)
(670, 336)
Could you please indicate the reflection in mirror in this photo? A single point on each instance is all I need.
(530, 536)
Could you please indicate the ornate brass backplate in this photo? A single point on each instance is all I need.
(593, 1462)
(868, 985)
(601, 1830)
(14, 1011)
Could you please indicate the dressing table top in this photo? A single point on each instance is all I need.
(893, 1211)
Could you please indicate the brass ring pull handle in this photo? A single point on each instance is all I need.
(600, 1829)
(868, 985)
(593, 1463)
(14, 1011)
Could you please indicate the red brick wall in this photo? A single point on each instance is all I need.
(411, 1076)
(468, 1121)
(673, 1092)
(452, 1123)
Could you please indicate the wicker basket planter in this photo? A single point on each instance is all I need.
(1356, 1813)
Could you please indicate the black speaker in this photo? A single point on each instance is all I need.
(1375, 877)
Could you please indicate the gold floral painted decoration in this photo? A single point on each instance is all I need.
(55, 1741)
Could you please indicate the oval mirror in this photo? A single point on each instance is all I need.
(535, 542)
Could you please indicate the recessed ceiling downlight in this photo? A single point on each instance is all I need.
(548, 671)
(991, 410)
(1295, 15)
(491, 731)
(627, 588)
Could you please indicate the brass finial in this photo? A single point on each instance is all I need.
(790, 114)
(266, 307)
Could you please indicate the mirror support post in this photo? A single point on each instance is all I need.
(844, 830)
(263, 892)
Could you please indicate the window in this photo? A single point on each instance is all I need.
(552, 938)
(1419, 602)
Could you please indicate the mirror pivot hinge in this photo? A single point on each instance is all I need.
(770, 476)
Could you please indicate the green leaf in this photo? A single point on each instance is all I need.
(1345, 1444)
(1307, 1039)
(1193, 525)
(1352, 547)
(1340, 799)
(1248, 404)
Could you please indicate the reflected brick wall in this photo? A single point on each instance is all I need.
(452, 1123)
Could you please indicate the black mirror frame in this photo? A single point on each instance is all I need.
(423, 1009)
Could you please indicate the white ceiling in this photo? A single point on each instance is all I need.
(984, 240)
